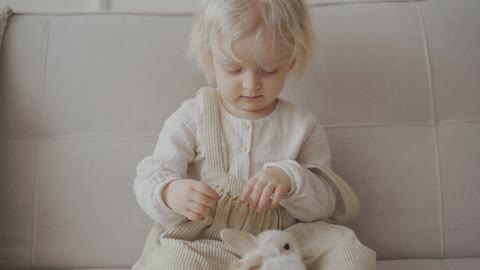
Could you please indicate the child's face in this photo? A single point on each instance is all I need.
(248, 89)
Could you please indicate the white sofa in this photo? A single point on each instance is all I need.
(83, 97)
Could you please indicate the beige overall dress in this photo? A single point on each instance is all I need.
(197, 245)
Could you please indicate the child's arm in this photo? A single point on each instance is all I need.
(310, 197)
(174, 150)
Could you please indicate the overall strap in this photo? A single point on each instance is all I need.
(213, 130)
(350, 199)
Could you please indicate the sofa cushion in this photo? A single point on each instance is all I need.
(83, 97)
(440, 264)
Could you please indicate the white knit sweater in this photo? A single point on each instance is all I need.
(288, 138)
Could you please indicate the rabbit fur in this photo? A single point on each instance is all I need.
(270, 250)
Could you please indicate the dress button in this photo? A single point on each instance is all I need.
(245, 126)
(243, 148)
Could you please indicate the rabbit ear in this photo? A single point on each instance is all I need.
(241, 241)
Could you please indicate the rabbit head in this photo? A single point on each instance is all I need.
(268, 246)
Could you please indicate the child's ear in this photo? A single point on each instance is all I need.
(240, 241)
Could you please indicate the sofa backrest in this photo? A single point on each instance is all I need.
(84, 96)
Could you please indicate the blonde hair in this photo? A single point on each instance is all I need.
(285, 20)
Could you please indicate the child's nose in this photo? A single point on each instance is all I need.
(250, 82)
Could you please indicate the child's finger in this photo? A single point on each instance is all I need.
(277, 197)
(202, 198)
(193, 216)
(199, 209)
(256, 193)
(207, 190)
(265, 198)
(250, 184)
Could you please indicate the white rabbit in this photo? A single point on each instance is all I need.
(270, 250)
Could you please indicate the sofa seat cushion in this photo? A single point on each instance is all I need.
(438, 264)
(99, 269)
(435, 264)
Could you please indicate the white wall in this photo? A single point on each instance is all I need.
(188, 6)
(168, 6)
(52, 5)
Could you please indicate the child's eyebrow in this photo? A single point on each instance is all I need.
(232, 62)
(275, 59)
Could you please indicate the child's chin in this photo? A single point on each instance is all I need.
(252, 109)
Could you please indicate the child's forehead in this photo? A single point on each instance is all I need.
(251, 48)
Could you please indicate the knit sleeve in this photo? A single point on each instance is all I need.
(310, 197)
(174, 150)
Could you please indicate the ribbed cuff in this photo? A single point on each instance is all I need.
(160, 204)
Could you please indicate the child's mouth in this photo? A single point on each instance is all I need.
(250, 98)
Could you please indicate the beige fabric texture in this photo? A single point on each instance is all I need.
(197, 245)
(84, 96)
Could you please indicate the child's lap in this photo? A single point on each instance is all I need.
(201, 254)
(323, 246)
(328, 246)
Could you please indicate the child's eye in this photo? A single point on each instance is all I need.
(267, 71)
(234, 71)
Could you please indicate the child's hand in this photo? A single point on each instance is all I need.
(260, 188)
(190, 198)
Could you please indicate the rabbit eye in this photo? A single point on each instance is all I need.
(286, 247)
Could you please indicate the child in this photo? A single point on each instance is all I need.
(238, 156)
